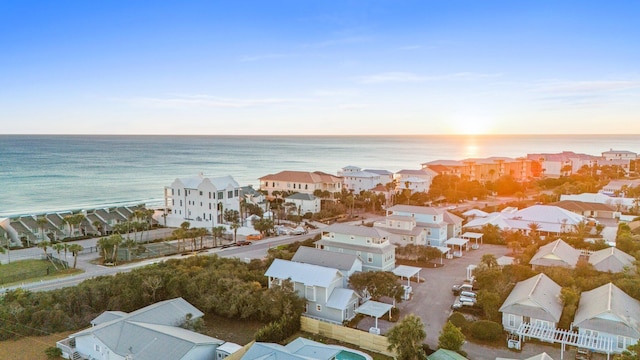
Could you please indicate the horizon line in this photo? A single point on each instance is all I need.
(325, 134)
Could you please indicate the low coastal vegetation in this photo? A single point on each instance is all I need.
(227, 288)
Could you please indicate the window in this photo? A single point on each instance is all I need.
(235, 193)
(97, 347)
(306, 186)
(369, 258)
(200, 193)
(220, 195)
(229, 194)
(621, 342)
(319, 307)
(180, 202)
(178, 192)
(310, 293)
(209, 194)
(171, 191)
(512, 320)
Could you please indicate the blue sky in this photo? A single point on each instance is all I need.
(319, 67)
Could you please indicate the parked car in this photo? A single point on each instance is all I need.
(457, 289)
(243, 243)
(467, 299)
(462, 302)
(254, 237)
(469, 294)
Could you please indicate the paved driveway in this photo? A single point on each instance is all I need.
(432, 300)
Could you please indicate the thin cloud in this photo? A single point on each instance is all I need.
(589, 86)
(407, 77)
(207, 101)
(352, 106)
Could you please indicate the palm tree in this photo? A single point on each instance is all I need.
(235, 226)
(217, 232)
(58, 248)
(42, 222)
(75, 250)
(97, 224)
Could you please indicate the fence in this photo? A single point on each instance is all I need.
(359, 338)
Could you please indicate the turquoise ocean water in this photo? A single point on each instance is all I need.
(43, 173)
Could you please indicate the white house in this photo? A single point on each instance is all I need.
(414, 180)
(149, 333)
(358, 180)
(534, 301)
(304, 203)
(550, 220)
(611, 315)
(200, 200)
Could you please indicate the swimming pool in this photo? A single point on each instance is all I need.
(351, 355)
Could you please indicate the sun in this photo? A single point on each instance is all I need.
(467, 124)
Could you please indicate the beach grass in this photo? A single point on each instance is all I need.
(31, 270)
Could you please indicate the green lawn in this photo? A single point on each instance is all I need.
(32, 270)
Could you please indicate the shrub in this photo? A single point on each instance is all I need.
(459, 320)
(486, 330)
(279, 330)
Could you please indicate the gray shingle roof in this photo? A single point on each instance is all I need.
(609, 309)
(611, 259)
(556, 253)
(301, 196)
(537, 297)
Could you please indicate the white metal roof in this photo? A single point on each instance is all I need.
(456, 241)
(340, 298)
(311, 275)
(374, 308)
(537, 297)
(406, 271)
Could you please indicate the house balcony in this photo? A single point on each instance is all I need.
(68, 347)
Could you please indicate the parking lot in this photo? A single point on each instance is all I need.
(432, 301)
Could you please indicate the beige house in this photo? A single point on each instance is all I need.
(556, 253)
(301, 182)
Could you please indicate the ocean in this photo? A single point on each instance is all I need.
(47, 173)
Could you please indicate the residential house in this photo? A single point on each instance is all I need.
(621, 158)
(564, 163)
(370, 244)
(534, 301)
(348, 264)
(617, 187)
(556, 253)
(611, 260)
(252, 196)
(301, 349)
(150, 333)
(588, 209)
(358, 180)
(303, 203)
(200, 200)
(420, 225)
(610, 315)
(300, 181)
(618, 203)
(549, 219)
(386, 176)
(321, 286)
(485, 169)
(414, 180)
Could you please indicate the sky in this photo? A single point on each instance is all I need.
(319, 67)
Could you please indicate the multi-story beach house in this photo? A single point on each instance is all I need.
(627, 160)
(618, 187)
(370, 244)
(486, 169)
(414, 180)
(200, 200)
(564, 163)
(300, 181)
(303, 203)
(420, 225)
(322, 288)
(356, 179)
(347, 264)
